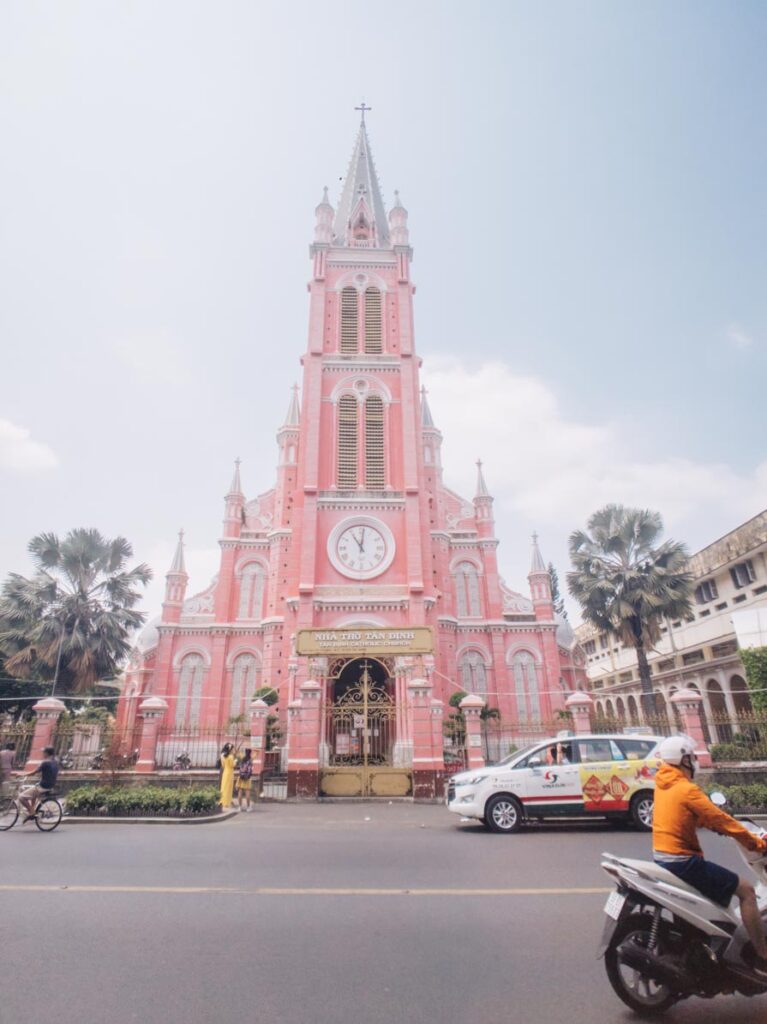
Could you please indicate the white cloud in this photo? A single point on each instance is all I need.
(548, 472)
(19, 453)
(738, 338)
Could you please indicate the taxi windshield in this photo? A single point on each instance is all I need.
(516, 754)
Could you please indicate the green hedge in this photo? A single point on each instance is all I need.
(141, 801)
(750, 798)
(740, 748)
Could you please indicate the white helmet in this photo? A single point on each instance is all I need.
(674, 749)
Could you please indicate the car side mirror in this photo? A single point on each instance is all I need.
(534, 762)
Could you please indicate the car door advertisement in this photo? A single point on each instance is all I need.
(610, 786)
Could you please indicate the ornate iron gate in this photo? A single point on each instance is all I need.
(360, 732)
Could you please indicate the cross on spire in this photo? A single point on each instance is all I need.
(363, 110)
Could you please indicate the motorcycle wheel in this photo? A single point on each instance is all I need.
(645, 997)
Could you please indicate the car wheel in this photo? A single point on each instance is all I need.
(503, 814)
(641, 811)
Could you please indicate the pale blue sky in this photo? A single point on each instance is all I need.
(585, 184)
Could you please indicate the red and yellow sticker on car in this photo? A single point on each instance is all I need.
(611, 787)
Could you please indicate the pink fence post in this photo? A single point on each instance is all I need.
(580, 706)
(426, 763)
(438, 746)
(259, 711)
(48, 711)
(304, 722)
(471, 706)
(689, 703)
(151, 712)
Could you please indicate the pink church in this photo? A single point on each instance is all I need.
(360, 570)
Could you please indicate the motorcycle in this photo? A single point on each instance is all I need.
(182, 763)
(664, 941)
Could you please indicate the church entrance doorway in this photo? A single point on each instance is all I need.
(360, 733)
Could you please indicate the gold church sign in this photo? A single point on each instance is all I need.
(364, 640)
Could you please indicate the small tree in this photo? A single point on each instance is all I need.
(556, 594)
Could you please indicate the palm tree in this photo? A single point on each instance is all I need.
(626, 582)
(74, 617)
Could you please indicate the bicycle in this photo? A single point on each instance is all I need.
(47, 814)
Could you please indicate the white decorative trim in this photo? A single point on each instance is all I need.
(180, 655)
(244, 649)
(469, 646)
(250, 559)
(361, 280)
(519, 648)
(474, 560)
(361, 385)
(353, 620)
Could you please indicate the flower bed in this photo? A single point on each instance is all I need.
(141, 802)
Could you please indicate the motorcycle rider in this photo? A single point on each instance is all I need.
(680, 809)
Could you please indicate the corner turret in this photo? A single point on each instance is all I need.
(483, 505)
(176, 582)
(235, 505)
(539, 578)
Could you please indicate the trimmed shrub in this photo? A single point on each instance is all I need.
(749, 798)
(141, 801)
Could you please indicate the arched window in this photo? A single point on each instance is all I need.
(373, 329)
(473, 674)
(252, 590)
(374, 443)
(526, 686)
(190, 679)
(347, 442)
(467, 591)
(244, 682)
(349, 324)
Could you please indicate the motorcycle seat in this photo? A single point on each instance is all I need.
(657, 873)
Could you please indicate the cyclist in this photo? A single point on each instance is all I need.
(7, 754)
(680, 808)
(48, 771)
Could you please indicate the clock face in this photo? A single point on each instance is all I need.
(361, 547)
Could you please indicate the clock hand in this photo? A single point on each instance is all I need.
(358, 540)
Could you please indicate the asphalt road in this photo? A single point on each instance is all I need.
(296, 914)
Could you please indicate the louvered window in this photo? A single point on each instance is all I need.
(244, 683)
(373, 332)
(526, 687)
(252, 588)
(347, 442)
(467, 590)
(189, 690)
(473, 673)
(349, 321)
(374, 444)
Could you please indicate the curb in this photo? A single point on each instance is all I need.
(210, 820)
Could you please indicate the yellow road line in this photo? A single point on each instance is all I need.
(268, 891)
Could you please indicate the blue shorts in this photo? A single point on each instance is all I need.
(714, 881)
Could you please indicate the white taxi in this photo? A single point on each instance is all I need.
(605, 776)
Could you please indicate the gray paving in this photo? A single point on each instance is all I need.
(186, 958)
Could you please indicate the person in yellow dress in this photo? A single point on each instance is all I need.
(226, 760)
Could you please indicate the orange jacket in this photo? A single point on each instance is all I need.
(681, 808)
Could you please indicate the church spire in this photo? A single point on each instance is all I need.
(235, 488)
(537, 564)
(177, 566)
(482, 491)
(176, 580)
(426, 417)
(361, 213)
(293, 418)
